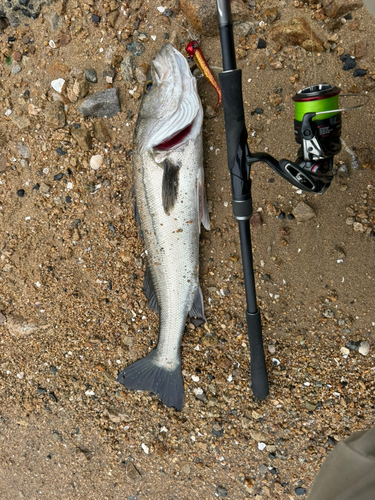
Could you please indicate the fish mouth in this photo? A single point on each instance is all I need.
(172, 109)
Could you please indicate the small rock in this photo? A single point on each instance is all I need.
(360, 49)
(23, 150)
(103, 104)
(297, 31)
(81, 88)
(344, 351)
(18, 326)
(16, 69)
(101, 132)
(83, 137)
(310, 406)
(132, 472)
(360, 72)
(44, 188)
(17, 56)
(261, 44)
(21, 193)
(96, 162)
(338, 8)
(217, 430)
(256, 220)
(271, 349)
(55, 115)
(145, 448)
(270, 15)
(303, 212)
(91, 76)
(136, 48)
(54, 21)
(202, 14)
(244, 29)
(58, 85)
(364, 347)
(3, 319)
(349, 64)
(58, 69)
(221, 491)
(128, 69)
(300, 491)
(358, 227)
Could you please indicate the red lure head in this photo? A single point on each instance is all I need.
(191, 48)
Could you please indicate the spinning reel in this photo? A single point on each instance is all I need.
(317, 129)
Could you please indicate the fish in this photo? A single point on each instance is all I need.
(195, 53)
(170, 208)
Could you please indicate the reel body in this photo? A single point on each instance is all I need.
(317, 129)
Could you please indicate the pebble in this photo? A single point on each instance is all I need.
(349, 64)
(16, 69)
(21, 193)
(128, 69)
(364, 348)
(217, 430)
(23, 150)
(300, 491)
(145, 448)
(221, 491)
(58, 84)
(83, 137)
(360, 72)
(91, 76)
(103, 104)
(81, 88)
(136, 48)
(261, 44)
(358, 227)
(303, 212)
(271, 349)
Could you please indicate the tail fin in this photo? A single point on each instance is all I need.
(146, 375)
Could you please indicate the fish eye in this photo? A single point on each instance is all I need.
(148, 86)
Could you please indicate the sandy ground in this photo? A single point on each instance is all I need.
(72, 264)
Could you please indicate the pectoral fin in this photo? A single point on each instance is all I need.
(170, 185)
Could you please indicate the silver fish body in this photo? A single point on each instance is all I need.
(170, 200)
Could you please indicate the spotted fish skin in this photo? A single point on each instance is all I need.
(170, 199)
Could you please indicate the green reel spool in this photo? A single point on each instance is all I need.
(315, 99)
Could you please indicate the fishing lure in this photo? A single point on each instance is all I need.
(195, 53)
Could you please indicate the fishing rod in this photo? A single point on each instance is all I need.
(317, 129)
(239, 167)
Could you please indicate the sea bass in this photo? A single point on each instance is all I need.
(171, 205)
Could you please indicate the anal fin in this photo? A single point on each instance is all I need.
(149, 289)
(196, 312)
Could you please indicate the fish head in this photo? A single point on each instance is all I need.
(171, 111)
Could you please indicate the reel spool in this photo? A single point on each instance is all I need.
(317, 129)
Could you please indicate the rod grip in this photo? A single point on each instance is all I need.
(259, 378)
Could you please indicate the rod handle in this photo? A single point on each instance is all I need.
(259, 378)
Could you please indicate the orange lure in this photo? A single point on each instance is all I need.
(195, 53)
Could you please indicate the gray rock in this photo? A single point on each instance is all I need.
(91, 76)
(128, 70)
(54, 21)
(23, 15)
(23, 150)
(221, 491)
(105, 103)
(303, 212)
(18, 326)
(244, 29)
(136, 48)
(364, 347)
(16, 69)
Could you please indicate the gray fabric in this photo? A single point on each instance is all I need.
(370, 4)
(349, 470)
